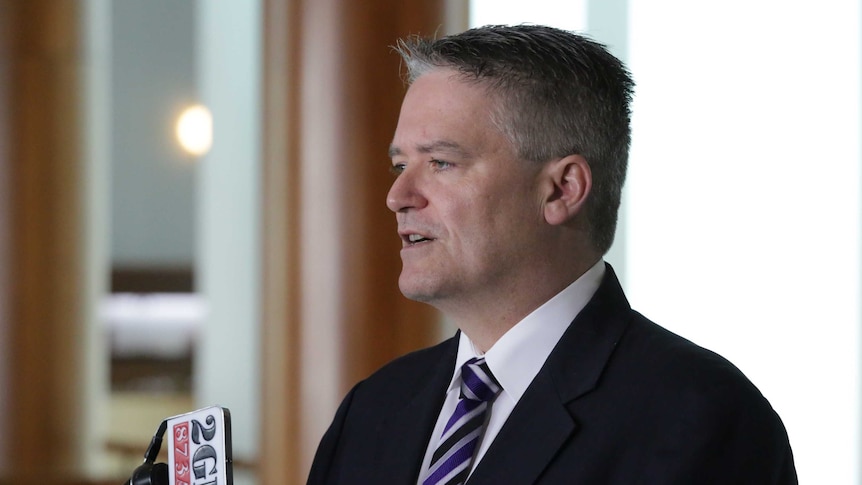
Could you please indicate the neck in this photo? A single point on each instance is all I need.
(486, 318)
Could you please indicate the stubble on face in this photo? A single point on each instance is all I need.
(466, 205)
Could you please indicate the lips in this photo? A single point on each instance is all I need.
(415, 238)
(411, 238)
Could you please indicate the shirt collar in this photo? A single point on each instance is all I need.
(520, 353)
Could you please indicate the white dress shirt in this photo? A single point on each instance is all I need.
(516, 358)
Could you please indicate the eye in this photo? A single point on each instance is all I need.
(396, 169)
(438, 165)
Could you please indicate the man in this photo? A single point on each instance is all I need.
(510, 154)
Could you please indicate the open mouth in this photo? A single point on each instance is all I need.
(413, 239)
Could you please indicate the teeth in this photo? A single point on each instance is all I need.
(415, 238)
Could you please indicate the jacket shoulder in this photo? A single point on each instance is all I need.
(696, 405)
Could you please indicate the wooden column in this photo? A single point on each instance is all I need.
(40, 265)
(332, 310)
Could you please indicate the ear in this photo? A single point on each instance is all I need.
(571, 180)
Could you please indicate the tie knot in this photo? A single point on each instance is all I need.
(477, 382)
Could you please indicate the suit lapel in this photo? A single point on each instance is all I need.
(541, 423)
(535, 430)
(410, 427)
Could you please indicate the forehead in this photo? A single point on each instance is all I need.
(443, 112)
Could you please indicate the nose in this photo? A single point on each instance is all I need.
(405, 193)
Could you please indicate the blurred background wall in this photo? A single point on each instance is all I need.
(140, 279)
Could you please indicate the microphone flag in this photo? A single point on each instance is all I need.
(199, 448)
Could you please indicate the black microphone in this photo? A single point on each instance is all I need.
(150, 472)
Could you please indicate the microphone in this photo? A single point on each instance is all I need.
(150, 472)
(199, 451)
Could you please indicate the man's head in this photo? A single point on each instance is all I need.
(510, 152)
(555, 93)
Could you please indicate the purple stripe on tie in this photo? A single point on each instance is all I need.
(450, 463)
(460, 458)
(465, 407)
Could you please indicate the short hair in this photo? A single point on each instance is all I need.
(558, 93)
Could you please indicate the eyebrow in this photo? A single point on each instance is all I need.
(433, 147)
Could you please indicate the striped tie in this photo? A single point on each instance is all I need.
(450, 464)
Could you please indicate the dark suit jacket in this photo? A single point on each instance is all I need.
(620, 400)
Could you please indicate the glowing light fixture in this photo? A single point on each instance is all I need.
(194, 130)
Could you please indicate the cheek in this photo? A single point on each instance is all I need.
(469, 223)
(483, 231)
(487, 221)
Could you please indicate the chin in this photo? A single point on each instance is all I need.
(417, 291)
(415, 295)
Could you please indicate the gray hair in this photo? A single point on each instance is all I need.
(558, 93)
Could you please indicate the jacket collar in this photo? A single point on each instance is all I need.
(540, 423)
(411, 426)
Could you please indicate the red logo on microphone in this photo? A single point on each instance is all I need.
(180, 452)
